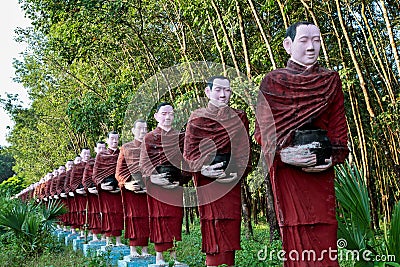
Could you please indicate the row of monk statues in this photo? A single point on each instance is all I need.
(139, 187)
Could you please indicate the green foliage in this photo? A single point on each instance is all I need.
(87, 59)
(29, 224)
(354, 212)
(355, 221)
(393, 241)
(6, 163)
(11, 186)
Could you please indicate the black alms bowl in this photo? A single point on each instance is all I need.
(114, 182)
(308, 137)
(225, 158)
(173, 173)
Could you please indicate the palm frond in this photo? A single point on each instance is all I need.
(353, 212)
(352, 193)
(394, 235)
(13, 217)
(55, 208)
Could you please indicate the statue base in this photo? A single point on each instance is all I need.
(61, 236)
(77, 244)
(90, 249)
(167, 264)
(69, 238)
(113, 253)
(136, 261)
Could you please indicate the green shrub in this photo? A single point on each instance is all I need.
(29, 224)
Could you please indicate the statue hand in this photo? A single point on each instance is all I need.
(106, 186)
(225, 180)
(171, 185)
(212, 170)
(159, 179)
(141, 191)
(71, 194)
(132, 186)
(80, 191)
(298, 156)
(63, 195)
(93, 190)
(319, 168)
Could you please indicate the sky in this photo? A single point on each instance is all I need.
(11, 17)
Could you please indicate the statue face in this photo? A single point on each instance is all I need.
(140, 130)
(85, 155)
(55, 172)
(100, 148)
(61, 169)
(112, 141)
(78, 160)
(220, 93)
(306, 45)
(69, 165)
(165, 116)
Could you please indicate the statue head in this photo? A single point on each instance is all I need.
(218, 90)
(112, 140)
(303, 42)
(139, 129)
(164, 116)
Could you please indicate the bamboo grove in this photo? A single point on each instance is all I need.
(87, 58)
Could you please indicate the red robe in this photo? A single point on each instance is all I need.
(42, 190)
(165, 205)
(68, 200)
(213, 131)
(60, 183)
(53, 186)
(304, 202)
(79, 201)
(59, 190)
(94, 219)
(110, 203)
(136, 213)
(48, 187)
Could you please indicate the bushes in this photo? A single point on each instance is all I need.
(355, 220)
(26, 227)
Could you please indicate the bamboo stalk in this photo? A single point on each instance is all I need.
(263, 35)
(227, 39)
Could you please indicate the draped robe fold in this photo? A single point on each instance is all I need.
(136, 213)
(289, 99)
(218, 130)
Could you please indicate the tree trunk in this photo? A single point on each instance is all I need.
(391, 38)
(246, 210)
(228, 40)
(244, 41)
(271, 215)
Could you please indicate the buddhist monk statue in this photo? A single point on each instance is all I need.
(94, 217)
(161, 167)
(217, 148)
(306, 108)
(108, 191)
(134, 198)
